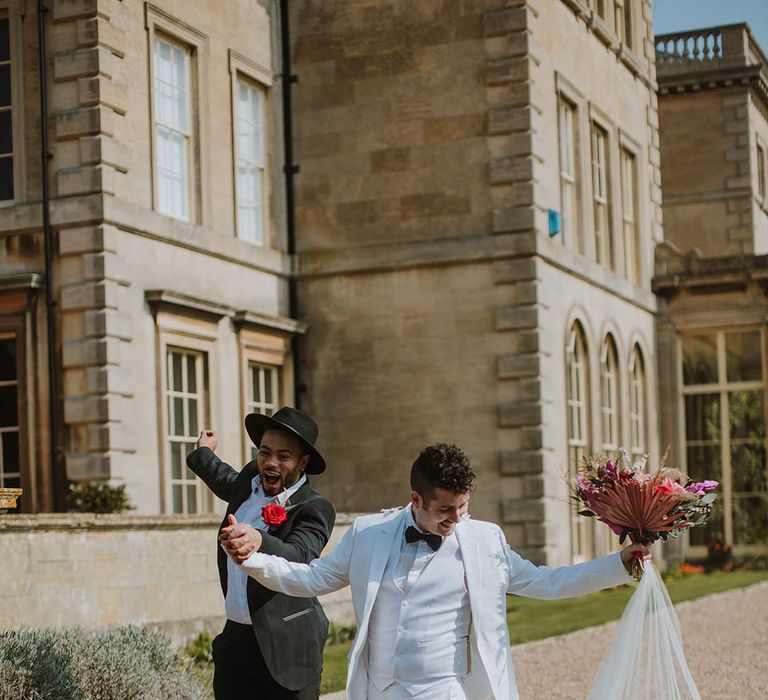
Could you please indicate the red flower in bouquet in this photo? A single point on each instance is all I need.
(274, 514)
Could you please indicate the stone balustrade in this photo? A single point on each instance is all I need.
(724, 46)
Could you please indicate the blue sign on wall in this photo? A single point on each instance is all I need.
(554, 222)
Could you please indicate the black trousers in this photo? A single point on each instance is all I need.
(240, 673)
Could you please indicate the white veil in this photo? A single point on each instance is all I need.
(645, 660)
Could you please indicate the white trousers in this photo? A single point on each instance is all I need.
(451, 689)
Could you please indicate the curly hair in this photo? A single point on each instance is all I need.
(441, 466)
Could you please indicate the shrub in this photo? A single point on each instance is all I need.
(74, 664)
(200, 649)
(338, 634)
(98, 497)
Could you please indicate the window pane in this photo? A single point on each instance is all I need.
(704, 462)
(699, 359)
(714, 528)
(702, 417)
(7, 359)
(177, 504)
(191, 375)
(8, 410)
(745, 410)
(6, 178)
(5, 85)
(6, 133)
(176, 457)
(268, 397)
(178, 419)
(191, 498)
(176, 364)
(743, 356)
(750, 520)
(5, 43)
(192, 408)
(10, 452)
(748, 472)
(256, 384)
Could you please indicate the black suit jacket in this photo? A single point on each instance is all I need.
(290, 632)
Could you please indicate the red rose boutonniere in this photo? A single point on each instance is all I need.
(274, 514)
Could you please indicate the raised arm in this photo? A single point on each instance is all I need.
(217, 475)
(321, 576)
(527, 579)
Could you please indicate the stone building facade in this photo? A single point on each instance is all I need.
(477, 210)
(169, 270)
(711, 274)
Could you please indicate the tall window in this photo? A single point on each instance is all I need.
(760, 173)
(628, 216)
(723, 397)
(637, 406)
(263, 391)
(609, 396)
(6, 113)
(569, 197)
(577, 401)
(186, 396)
(628, 37)
(600, 7)
(10, 470)
(600, 196)
(251, 161)
(173, 128)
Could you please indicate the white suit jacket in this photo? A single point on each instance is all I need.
(493, 570)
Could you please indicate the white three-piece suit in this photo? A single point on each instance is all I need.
(446, 620)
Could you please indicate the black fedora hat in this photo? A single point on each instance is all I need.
(294, 421)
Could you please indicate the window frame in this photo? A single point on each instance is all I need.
(567, 92)
(187, 335)
(160, 24)
(577, 372)
(260, 347)
(203, 499)
(243, 68)
(722, 387)
(604, 248)
(760, 167)
(10, 334)
(15, 40)
(610, 395)
(629, 223)
(638, 404)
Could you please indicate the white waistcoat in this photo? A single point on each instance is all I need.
(421, 634)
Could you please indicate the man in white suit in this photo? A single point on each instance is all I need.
(428, 589)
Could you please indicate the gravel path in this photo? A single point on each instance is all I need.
(725, 636)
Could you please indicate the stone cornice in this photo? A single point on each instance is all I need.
(96, 521)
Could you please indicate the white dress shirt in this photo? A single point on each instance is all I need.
(236, 601)
(419, 625)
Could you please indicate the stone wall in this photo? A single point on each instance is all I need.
(106, 570)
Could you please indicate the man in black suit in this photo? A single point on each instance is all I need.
(272, 644)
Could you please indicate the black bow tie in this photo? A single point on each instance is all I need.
(414, 535)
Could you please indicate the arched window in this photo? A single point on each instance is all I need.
(637, 405)
(577, 402)
(609, 396)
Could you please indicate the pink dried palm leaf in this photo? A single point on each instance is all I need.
(637, 507)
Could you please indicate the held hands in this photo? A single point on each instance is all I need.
(632, 552)
(208, 438)
(239, 540)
